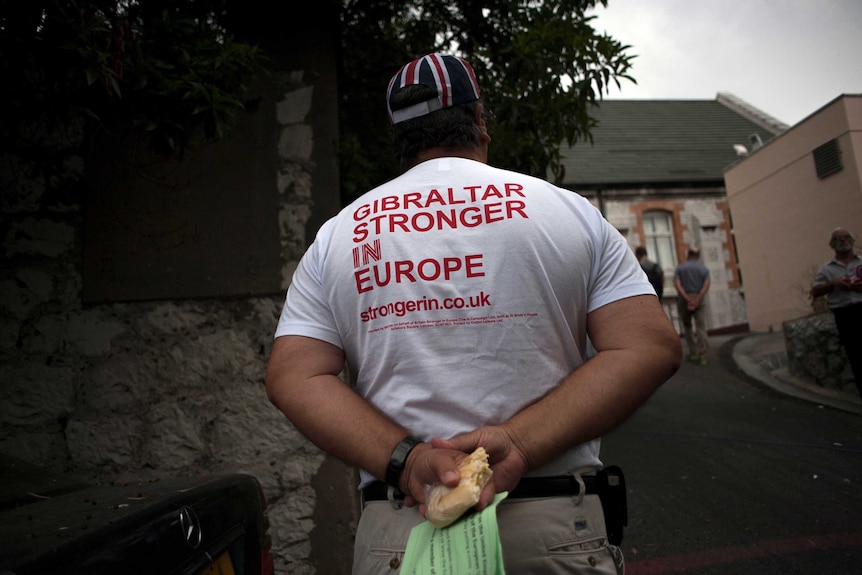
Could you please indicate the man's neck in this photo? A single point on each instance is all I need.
(844, 257)
(479, 153)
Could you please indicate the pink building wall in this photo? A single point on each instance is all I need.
(783, 213)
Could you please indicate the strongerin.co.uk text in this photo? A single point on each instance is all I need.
(403, 307)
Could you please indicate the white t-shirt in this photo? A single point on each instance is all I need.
(459, 294)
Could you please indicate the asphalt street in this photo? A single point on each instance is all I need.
(727, 476)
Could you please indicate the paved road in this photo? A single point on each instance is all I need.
(728, 477)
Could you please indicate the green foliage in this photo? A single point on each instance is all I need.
(156, 68)
(541, 66)
(168, 70)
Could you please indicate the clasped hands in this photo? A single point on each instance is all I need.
(437, 462)
(848, 284)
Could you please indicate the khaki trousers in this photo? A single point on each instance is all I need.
(549, 535)
(697, 339)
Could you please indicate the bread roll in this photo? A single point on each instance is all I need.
(444, 505)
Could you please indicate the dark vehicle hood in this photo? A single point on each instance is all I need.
(164, 526)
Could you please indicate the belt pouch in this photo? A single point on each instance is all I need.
(612, 493)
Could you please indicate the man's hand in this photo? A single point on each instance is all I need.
(425, 466)
(848, 284)
(507, 461)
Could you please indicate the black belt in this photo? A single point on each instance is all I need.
(557, 486)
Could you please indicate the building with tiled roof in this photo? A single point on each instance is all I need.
(662, 143)
(655, 168)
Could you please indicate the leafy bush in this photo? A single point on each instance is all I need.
(154, 68)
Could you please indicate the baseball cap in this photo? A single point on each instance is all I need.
(451, 78)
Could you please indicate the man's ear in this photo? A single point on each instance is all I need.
(480, 121)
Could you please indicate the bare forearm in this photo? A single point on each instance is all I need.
(341, 423)
(328, 412)
(638, 350)
(302, 381)
(695, 298)
(592, 401)
(823, 289)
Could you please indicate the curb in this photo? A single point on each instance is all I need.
(759, 357)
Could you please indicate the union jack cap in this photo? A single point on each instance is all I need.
(449, 76)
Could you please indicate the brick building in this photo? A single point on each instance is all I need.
(656, 168)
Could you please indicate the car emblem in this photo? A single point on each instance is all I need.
(191, 527)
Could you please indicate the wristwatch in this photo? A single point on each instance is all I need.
(399, 458)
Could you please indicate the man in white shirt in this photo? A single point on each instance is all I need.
(462, 298)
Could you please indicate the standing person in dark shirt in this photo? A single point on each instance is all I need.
(653, 271)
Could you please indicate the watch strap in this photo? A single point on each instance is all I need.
(399, 458)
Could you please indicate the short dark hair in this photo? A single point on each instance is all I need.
(640, 251)
(450, 128)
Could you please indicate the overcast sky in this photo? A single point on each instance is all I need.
(785, 57)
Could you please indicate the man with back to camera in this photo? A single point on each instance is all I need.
(462, 297)
(691, 279)
(652, 269)
(840, 280)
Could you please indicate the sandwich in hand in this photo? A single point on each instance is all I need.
(444, 505)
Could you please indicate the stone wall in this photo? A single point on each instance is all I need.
(814, 352)
(130, 391)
